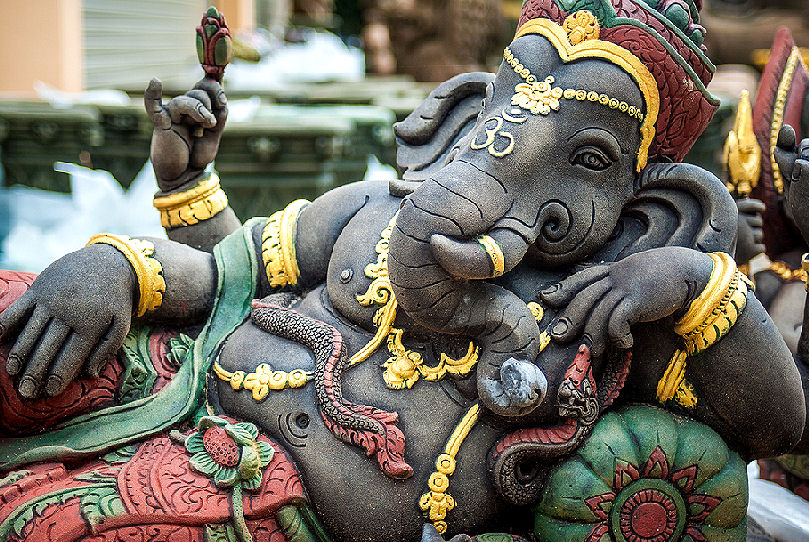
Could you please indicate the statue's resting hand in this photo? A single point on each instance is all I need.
(187, 131)
(605, 300)
(74, 316)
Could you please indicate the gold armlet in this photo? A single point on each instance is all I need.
(713, 313)
(147, 269)
(192, 206)
(278, 245)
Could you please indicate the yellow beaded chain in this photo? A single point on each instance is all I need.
(540, 97)
(147, 269)
(437, 502)
(202, 202)
(263, 379)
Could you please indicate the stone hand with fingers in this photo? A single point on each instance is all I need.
(72, 319)
(179, 154)
(792, 158)
(750, 239)
(601, 303)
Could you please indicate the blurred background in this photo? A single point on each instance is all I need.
(314, 90)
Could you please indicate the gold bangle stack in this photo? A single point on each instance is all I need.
(148, 270)
(203, 201)
(709, 318)
(713, 313)
(278, 245)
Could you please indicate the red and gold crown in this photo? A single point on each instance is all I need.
(657, 42)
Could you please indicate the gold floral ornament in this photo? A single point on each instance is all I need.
(581, 26)
(539, 97)
(405, 367)
(147, 269)
(264, 379)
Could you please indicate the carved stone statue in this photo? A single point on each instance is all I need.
(537, 331)
(776, 124)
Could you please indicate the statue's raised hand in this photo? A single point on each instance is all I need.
(186, 131)
(605, 300)
(750, 239)
(74, 316)
(793, 163)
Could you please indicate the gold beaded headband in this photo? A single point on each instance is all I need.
(578, 38)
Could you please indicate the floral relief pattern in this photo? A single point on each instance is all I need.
(539, 98)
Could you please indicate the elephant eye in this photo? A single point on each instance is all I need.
(591, 158)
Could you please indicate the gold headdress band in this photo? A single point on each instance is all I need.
(579, 39)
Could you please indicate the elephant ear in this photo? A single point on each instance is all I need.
(675, 205)
(428, 135)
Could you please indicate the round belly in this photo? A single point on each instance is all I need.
(348, 489)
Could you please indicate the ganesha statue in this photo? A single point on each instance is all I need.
(536, 333)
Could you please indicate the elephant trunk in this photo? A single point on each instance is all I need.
(430, 271)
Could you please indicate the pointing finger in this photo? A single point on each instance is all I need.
(153, 102)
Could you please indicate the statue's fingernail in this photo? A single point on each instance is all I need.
(28, 387)
(54, 385)
(560, 327)
(551, 289)
(13, 365)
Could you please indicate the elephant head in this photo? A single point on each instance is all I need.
(551, 170)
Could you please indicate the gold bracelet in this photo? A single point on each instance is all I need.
(203, 201)
(709, 318)
(147, 269)
(495, 253)
(715, 311)
(805, 269)
(278, 245)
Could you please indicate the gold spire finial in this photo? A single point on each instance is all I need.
(742, 151)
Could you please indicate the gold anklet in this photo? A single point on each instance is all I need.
(202, 202)
(147, 269)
